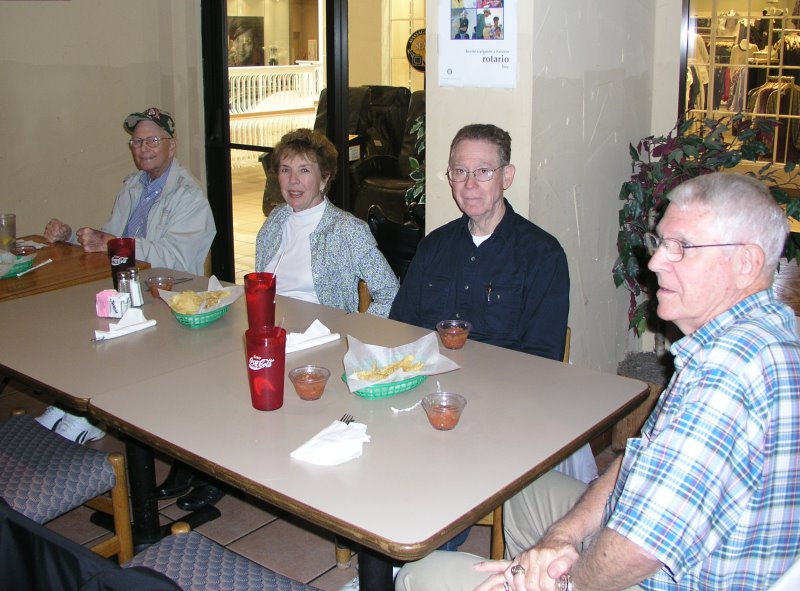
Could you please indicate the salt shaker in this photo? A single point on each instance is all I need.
(135, 288)
(123, 282)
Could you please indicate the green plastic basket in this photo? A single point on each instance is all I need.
(388, 389)
(18, 267)
(201, 320)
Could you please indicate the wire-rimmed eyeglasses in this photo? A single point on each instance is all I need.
(152, 141)
(674, 248)
(460, 175)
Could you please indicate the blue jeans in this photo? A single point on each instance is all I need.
(453, 544)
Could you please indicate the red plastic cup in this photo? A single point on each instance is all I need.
(259, 290)
(122, 252)
(266, 363)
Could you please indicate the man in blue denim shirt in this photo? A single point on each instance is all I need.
(491, 266)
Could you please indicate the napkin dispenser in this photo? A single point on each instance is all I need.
(109, 303)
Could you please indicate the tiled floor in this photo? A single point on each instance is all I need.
(248, 192)
(262, 533)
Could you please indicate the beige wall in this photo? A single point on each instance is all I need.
(71, 72)
(364, 37)
(584, 93)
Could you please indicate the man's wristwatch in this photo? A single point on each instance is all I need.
(564, 583)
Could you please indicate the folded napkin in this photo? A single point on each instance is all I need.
(335, 444)
(316, 334)
(36, 245)
(132, 321)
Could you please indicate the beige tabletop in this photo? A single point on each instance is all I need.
(50, 336)
(414, 487)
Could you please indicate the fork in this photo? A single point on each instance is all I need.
(347, 418)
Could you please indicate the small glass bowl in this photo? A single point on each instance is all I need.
(23, 250)
(454, 333)
(157, 282)
(444, 409)
(309, 381)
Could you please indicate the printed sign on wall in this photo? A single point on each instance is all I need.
(478, 43)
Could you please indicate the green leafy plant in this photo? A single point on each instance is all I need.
(416, 193)
(659, 164)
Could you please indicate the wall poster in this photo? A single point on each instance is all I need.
(478, 43)
(245, 41)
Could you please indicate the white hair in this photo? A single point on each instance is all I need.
(743, 211)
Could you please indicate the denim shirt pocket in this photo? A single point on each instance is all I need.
(503, 309)
(434, 297)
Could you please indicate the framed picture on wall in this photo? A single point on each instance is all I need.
(245, 41)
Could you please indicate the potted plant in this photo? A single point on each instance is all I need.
(416, 193)
(692, 148)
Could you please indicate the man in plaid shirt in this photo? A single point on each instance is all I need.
(708, 498)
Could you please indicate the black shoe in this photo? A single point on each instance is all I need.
(177, 483)
(201, 496)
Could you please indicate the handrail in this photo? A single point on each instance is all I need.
(267, 89)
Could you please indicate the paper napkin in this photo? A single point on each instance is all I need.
(361, 356)
(33, 243)
(234, 293)
(315, 335)
(335, 444)
(132, 321)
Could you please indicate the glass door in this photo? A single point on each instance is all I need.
(263, 73)
(265, 65)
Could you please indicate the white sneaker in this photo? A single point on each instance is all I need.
(51, 417)
(78, 429)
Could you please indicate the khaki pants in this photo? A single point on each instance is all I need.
(526, 516)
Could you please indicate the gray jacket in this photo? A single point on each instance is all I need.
(342, 252)
(180, 227)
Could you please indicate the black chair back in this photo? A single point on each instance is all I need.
(388, 111)
(33, 557)
(358, 120)
(397, 242)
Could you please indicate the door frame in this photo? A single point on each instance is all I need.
(214, 35)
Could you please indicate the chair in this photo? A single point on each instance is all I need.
(184, 560)
(364, 297)
(384, 179)
(43, 475)
(397, 241)
(495, 518)
(387, 112)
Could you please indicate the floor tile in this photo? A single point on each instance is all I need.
(238, 518)
(335, 578)
(302, 553)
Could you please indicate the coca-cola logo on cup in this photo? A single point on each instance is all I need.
(118, 260)
(256, 363)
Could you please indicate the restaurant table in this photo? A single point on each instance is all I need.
(53, 348)
(54, 353)
(70, 266)
(414, 487)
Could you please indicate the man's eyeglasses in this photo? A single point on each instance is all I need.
(460, 175)
(674, 248)
(153, 141)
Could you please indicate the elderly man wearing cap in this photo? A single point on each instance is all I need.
(166, 211)
(161, 206)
